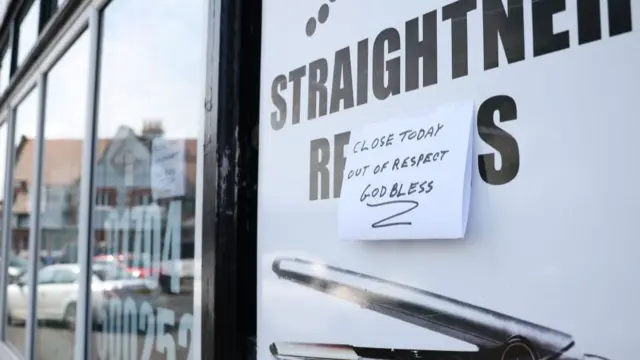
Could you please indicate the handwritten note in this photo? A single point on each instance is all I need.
(167, 168)
(408, 179)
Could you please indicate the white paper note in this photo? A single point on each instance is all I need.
(168, 168)
(408, 179)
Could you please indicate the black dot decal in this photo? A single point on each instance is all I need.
(311, 26)
(323, 15)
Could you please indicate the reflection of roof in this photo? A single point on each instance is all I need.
(63, 160)
(61, 165)
(21, 203)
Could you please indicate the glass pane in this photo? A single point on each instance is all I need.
(150, 106)
(3, 153)
(28, 31)
(4, 4)
(17, 293)
(65, 115)
(5, 66)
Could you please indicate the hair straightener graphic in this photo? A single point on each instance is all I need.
(497, 336)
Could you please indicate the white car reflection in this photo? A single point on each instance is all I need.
(183, 269)
(58, 292)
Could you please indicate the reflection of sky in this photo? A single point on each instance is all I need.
(28, 33)
(152, 69)
(4, 4)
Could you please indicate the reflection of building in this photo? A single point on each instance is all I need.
(122, 180)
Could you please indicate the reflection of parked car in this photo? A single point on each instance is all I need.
(58, 291)
(17, 267)
(136, 264)
(183, 270)
(69, 254)
(133, 263)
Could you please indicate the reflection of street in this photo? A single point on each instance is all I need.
(54, 342)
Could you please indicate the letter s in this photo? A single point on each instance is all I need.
(279, 84)
(498, 139)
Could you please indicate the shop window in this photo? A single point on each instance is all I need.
(23, 178)
(27, 29)
(64, 132)
(149, 108)
(23, 220)
(140, 197)
(106, 197)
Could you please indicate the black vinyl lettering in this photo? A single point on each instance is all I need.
(382, 66)
(379, 66)
(279, 116)
(498, 139)
(505, 25)
(589, 21)
(339, 161)
(342, 88)
(545, 41)
(318, 74)
(362, 92)
(379, 61)
(295, 76)
(318, 169)
(425, 51)
(457, 12)
(619, 17)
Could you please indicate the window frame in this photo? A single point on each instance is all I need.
(7, 216)
(30, 75)
(57, 31)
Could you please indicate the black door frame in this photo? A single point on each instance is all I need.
(229, 221)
